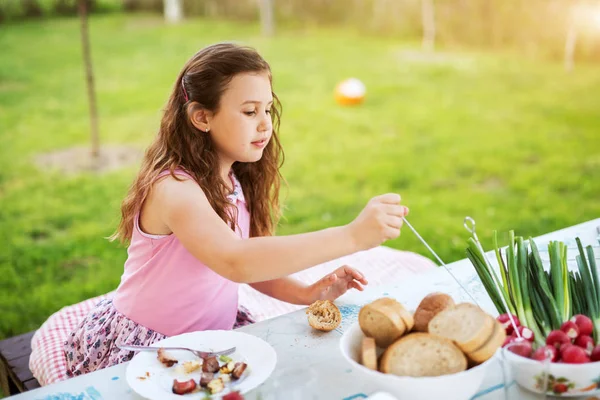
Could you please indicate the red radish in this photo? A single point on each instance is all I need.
(596, 354)
(574, 355)
(586, 343)
(504, 319)
(520, 347)
(570, 328)
(509, 339)
(564, 346)
(526, 333)
(584, 323)
(545, 352)
(557, 338)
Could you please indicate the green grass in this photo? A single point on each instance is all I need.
(512, 143)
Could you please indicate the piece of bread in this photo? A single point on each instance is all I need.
(324, 315)
(368, 356)
(407, 317)
(422, 354)
(466, 324)
(429, 307)
(383, 321)
(487, 350)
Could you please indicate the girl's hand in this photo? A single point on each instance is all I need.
(336, 284)
(380, 220)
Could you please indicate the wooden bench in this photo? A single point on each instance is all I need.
(15, 376)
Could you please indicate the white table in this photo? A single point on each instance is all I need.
(298, 344)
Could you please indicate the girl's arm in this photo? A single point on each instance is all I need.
(287, 289)
(330, 287)
(184, 208)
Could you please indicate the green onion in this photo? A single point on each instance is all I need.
(525, 283)
(514, 277)
(542, 298)
(503, 271)
(485, 277)
(542, 286)
(560, 279)
(590, 285)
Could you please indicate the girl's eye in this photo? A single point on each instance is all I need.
(268, 111)
(249, 112)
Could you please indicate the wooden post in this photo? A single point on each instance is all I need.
(266, 17)
(428, 21)
(87, 61)
(173, 10)
(570, 43)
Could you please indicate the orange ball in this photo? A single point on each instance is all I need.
(350, 92)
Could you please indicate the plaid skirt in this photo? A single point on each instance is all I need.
(92, 346)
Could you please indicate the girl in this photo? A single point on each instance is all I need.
(200, 215)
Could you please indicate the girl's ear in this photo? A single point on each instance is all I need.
(199, 117)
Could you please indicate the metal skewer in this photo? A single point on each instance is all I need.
(439, 259)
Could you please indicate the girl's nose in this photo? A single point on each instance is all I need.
(266, 124)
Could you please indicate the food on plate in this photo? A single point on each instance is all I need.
(423, 354)
(215, 386)
(238, 370)
(183, 387)
(385, 320)
(206, 377)
(191, 366)
(466, 324)
(369, 353)
(429, 307)
(233, 396)
(210, 364)
(213, 376)
(323, 315)
(227, 368)
(166, 358)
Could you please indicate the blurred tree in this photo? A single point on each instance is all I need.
(87, 60)
(428, 22)
(173, 10)
(570, 42)
(266, 17)
(31, 8)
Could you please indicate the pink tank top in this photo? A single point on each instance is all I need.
(166, 289)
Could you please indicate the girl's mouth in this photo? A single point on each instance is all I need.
(261, 143)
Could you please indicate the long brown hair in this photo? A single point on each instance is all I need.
(179, 145)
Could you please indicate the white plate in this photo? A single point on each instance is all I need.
(157, 380)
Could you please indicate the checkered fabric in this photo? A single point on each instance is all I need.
(47, 361)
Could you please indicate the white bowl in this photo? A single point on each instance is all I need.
(459, 386)
(566, 380)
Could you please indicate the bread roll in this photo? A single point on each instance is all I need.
(324, 315)
(429, 307)
(369, 353)
(383, 321)
(466, 324)
(487, 350)
(423, 354)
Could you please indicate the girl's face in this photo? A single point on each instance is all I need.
(242, 127)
